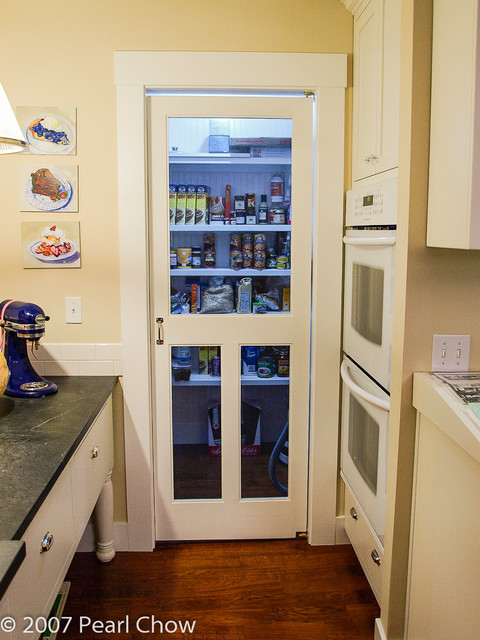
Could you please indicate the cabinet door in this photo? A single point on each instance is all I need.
(367, 73)
(232, 374)
(376, 88)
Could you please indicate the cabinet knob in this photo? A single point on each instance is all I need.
(376, 557)
(353, 513)
(95, 452)
(47, 542)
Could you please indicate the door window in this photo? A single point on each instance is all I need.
(363, 438)
(367, 302)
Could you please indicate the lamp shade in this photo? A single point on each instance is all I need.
(11, 136)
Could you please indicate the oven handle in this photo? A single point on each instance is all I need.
(370, 242)
(361, 393)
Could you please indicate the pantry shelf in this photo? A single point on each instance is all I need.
(228, 228)
(180, 273)
(227, 159)
(202, 380)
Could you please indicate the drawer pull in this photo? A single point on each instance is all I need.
(95, 452)
(353, 513)
(376, 557)
(47, 542)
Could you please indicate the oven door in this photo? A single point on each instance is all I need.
(368, 314)
(365, 416)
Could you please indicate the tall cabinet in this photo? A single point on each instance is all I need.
(376, 75)
(376, 82)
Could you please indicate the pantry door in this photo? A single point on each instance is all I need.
(230, 332)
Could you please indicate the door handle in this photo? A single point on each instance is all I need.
(369, 242)
(359, 392)
(160, 339)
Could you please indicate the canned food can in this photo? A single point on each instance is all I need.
(282, 262)
(236, 260)
(235, 242)
(248, 259)
(265, 367)
(247, 242)
(209, 260)
(260, 242)
(216, 366)
(259, 260)
(184, 255)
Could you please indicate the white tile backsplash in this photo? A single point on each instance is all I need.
(84, 359)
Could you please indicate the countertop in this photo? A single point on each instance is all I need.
(38, 436)
(439, 404)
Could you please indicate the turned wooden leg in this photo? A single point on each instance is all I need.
(103, 515)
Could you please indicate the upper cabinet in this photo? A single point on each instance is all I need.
(376, 81)
(454, 195)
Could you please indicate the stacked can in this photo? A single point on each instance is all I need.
(247, 250)
(259, 250)
(209, 256)
(236, 260)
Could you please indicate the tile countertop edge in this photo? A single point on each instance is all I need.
(68, 455)
(12, 552)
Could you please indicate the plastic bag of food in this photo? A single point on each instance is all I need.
(270, 292)
(217, 297)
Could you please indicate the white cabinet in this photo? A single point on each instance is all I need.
(444, 590)
(54, 533)
(376, 81)
(454, 198)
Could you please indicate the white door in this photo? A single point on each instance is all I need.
(231, 375)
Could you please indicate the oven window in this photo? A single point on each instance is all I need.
(367, 302)
(363, 434)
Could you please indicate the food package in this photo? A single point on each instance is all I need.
(172, 200)
(217, 210)
(201, 207)
(244, 296)
(217, 297)
(191, 204)
(203, 360)
(181, 204)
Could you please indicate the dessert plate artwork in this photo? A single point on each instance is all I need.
(49, 130)
(48, 188)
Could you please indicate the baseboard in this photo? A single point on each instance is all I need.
(340, 534)
(379, 632)
(120, 538)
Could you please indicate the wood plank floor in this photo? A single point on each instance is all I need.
(248, 590)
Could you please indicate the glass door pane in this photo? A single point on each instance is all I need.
(264, 419)
(230, 215)
(196, 426)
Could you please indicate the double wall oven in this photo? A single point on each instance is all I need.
(368, 313)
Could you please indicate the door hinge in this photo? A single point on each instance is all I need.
(301, 535)
(310, 94)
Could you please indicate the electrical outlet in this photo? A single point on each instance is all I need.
(73, 308)
(450, 353)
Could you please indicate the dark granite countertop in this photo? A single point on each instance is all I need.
(38, 436)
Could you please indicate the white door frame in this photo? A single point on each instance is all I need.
(323, 74)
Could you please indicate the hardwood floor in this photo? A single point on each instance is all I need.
(248, 590)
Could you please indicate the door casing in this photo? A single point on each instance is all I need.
(325, 76)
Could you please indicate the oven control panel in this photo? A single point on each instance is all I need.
(372, 205)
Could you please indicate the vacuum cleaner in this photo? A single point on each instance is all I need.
(279, 454)
(23, 323)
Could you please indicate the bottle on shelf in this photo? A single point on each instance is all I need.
(263, 210)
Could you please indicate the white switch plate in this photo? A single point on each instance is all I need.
(73, 309)
(450, 353)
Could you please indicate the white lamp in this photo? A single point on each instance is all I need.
(11, 136)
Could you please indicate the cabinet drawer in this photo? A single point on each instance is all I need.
(365, 543)
(34, 587)
(90, 466)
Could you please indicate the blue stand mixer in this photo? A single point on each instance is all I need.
(23, 322)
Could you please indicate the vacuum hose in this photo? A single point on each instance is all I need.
(272, 463)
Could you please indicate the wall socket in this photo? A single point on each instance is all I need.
(450, 353)
(73, 310)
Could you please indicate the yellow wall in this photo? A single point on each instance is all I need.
(61, 53)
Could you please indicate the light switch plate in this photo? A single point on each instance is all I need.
(450, 352)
